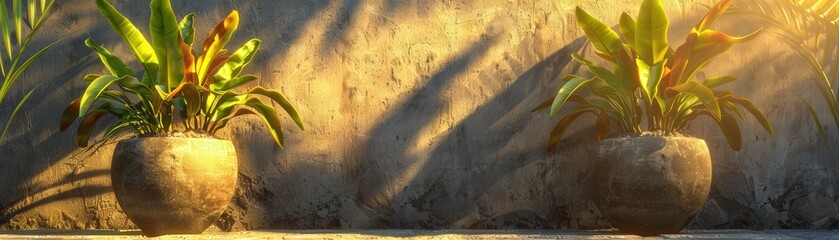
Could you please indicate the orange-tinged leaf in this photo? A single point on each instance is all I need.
(86, 127)
(713, 14)
(602, 126)
(70, 114)
(215, 42)
(189, 62)
(561, 126)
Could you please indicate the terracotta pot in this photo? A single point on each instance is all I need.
(651, 185)
(174, 185)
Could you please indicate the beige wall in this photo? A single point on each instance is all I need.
(417, 116)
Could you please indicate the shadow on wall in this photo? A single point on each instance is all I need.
(473, 156)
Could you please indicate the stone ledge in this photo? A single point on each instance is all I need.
(426, 234)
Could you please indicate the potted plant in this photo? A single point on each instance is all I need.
(651, 180)
(175, 176)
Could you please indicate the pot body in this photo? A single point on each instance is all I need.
(174, 185)
(651, 185)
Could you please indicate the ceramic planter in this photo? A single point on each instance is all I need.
(174, 185)
(651, 185)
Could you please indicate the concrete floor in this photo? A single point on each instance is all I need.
(427, 234)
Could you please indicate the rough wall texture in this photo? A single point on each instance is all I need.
(418, 117)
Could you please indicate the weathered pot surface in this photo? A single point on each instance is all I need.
(651, 185)
(174, 185)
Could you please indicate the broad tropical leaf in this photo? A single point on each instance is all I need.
(133, 38)
(703, 93)
(216, 41)
(601, 36)
(651, 32)
(565, 92)
(234, 65)
(165, 36)
(187, 30)
(115, 65)
(628, 28)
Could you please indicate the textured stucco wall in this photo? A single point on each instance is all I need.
(418, 117)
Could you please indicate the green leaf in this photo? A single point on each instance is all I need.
(5, 27)
(100, 85)
(718, 81)
(132, 37)
(187, 30)
(16, 110)
(234, 65)
(703, 93)
(745, 103)
(283, 101)
(818, 123)
(17, 17)
(223, 122)
(603, 73)
(651, 32)
(91, 77)
(31, 6)
(560, 127)
(232, 83)
(565, 92)
(729, 127)
(270, 117)
(627, 27)
(165, 40)
(601, 36)
(115, 65)
(650, 77)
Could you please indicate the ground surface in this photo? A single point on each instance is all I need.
(421, 234)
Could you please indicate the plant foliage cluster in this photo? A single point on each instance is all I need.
(200, 88)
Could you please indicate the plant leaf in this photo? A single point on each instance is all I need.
(5, 27)
(115, 65)
(627, 27)
(283, 101)
(703, 93)
(100, 85)
(234, 65)
(216, 41)
(713, 14)
(270, 117)
(718, 81)
(565, 92)
(17, 18)
(132, 37)
(70, 114)
(165, 36)
(187, 30)
(88, 123)
(560, 127)
(232, 83)
(16, 110)
(650, 77)
(601, 36)
(745, 103)
(729, 127)
(651, 32)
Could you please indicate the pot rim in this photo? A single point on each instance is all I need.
(139, 138)
(635, 138)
